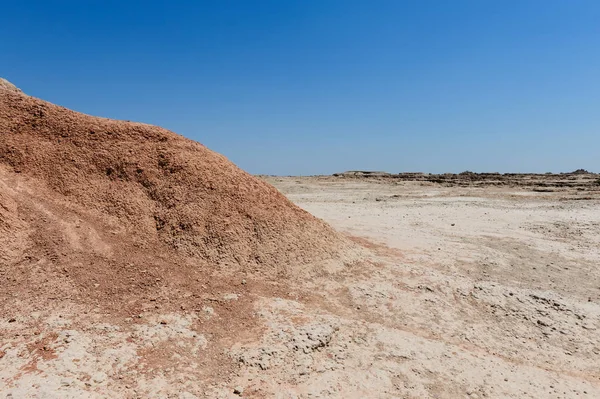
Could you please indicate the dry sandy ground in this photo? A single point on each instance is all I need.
(477, 292)
(463, 292)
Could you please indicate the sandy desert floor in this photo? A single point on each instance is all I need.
(473, 291)
(476, 292)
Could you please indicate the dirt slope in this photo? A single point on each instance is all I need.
(127, 223)
(156, 186)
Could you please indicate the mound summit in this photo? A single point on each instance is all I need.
(97, 200)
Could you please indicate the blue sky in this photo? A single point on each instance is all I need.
(316, 87)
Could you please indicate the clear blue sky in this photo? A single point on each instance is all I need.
(321, 86)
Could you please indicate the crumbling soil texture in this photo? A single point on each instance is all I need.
(127, 223)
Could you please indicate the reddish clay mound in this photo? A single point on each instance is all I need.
(101, 210)
(158, 186)
(104, 221)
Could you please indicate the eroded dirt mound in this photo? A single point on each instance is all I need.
(159, 186)
(127, 225)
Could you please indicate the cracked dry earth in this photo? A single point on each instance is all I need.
(472, 292)
(462, 292)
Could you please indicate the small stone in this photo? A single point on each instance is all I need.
(238, 390)
(243, 282)
(12, 320)
(163, 322)
(588, 327)
(544, 323)
(453, 224)
(99, 377)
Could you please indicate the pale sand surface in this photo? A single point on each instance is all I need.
(479, 292)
